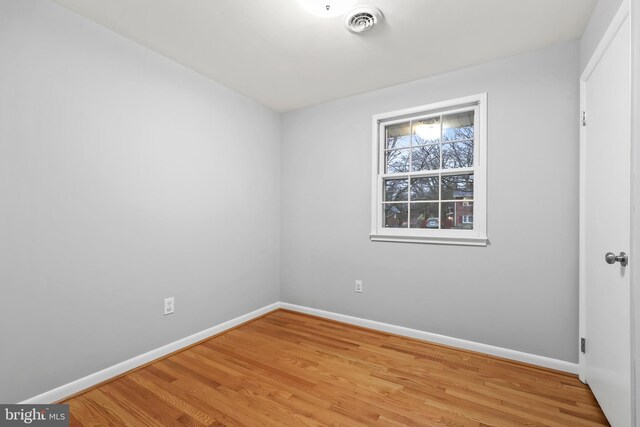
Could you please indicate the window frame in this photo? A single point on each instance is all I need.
(475, 237)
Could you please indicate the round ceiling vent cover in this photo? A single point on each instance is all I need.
(362, 19)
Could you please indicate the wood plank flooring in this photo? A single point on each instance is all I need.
(292, 369)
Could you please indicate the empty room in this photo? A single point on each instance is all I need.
(319, 213)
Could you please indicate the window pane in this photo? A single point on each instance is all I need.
(425, 158)
(457, 126)
(457, 187)
(455, 215)
(397, 161)
(426, 131)
(398, 136)
(424, 215)
(396, 190)
(425, 188)
(395, 215)
(457, 155)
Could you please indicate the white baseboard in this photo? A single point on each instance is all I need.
(506, 353)
(113, 371)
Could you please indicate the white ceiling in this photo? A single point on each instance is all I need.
(279, 54)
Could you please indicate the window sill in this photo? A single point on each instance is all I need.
(433, 240)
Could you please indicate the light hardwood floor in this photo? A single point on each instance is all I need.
(292, 369)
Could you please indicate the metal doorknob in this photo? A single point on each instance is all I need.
(612, 258)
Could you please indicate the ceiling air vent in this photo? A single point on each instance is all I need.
(362, 19)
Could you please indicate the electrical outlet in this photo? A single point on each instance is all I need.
(169, 306)
(359, 287)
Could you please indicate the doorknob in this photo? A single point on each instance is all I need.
(612, 258)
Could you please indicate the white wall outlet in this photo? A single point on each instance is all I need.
(169, 306)
(359, 287)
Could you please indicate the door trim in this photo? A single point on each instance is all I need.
(635, 201)
(601, 49)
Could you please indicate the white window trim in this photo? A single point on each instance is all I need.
(475, 237)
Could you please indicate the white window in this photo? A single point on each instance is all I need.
(429, 173)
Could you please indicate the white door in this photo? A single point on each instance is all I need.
(606, 228)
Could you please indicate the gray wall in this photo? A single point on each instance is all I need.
(124, 178)
(600, 19)
(520, 292)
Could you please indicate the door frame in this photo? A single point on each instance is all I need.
(624, 12)
(635, 200)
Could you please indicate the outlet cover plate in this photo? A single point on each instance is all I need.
(359, 286)
(169, 306)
